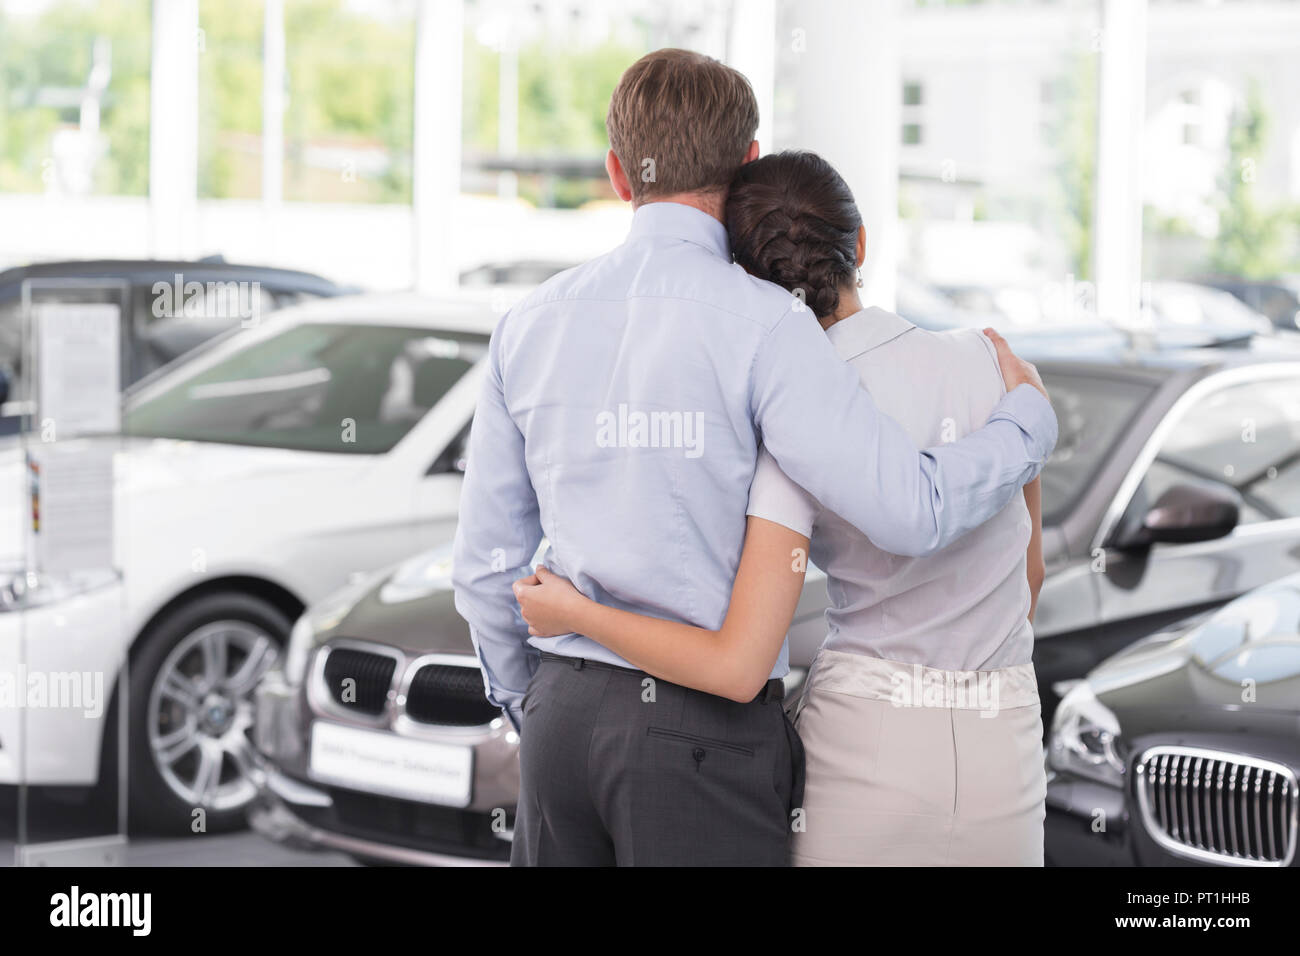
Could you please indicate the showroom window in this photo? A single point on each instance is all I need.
(74, 97)
(230, 99)
(349, 116)
(1220, 143)
(996, 179)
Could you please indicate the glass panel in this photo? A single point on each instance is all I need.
(536, 89)
(62, 595)
(996, 163)
(74, 97)
(348, 120)
(230, 99)
(1221, 158)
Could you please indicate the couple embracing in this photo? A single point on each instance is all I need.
(642, 662)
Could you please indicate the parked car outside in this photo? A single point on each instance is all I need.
(1277, 299)
(1156, 505)
(253, 480)
(1184, 749)
(1191, 305)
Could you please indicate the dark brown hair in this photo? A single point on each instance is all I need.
(680, 122)
(792, 220)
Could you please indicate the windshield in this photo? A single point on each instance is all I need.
(1093, 412)
(314, 387)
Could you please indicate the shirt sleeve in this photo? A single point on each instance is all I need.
(498, 533)
(773, 496)
(827, 434)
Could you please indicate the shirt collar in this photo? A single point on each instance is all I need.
(679, 221)
(866, 330)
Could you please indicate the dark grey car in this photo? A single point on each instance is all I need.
(1184, 749)
(1175, 487)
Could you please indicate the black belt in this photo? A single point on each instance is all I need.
(774, 689)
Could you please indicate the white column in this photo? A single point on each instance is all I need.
(508, 110)
(438, 55)
(1117, 232)
(273, 80)
(848, 86)
(752, 51)
(173, 129)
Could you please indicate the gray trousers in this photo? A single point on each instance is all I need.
(618, 768)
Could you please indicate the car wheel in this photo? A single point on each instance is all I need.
(191, 710)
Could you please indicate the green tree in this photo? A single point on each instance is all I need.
(1075, 131)
(1252, 240)
(53, 51)
(230, 99)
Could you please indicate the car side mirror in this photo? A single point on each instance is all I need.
(1186, 513)
(4, 385)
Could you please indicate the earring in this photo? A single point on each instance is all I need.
(859, 278)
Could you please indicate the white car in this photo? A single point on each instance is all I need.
(255, 478)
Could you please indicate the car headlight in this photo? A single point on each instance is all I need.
(418, 577)
(21, 590)
(301, 640)
(1086, 738)
(319, 618)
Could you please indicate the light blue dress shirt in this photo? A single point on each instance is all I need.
(621, 416)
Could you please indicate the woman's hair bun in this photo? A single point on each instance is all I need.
(791, 219)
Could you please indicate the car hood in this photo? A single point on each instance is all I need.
(409, 606)
(170, 480)
(1237, 671)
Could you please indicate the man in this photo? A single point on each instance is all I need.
(621, 413)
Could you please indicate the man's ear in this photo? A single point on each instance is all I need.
(751, 154)
(617, 177)
(862, 245)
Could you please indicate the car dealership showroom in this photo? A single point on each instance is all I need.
(387, 384)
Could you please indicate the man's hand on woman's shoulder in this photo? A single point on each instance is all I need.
(1015, 370)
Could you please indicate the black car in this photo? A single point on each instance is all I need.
(168, 308)
(1184, 749)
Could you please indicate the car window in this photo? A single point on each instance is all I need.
(1092, 412)
(1245, 437)
(1279, 304)
(318, 387)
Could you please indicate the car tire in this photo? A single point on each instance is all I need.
(190, 703)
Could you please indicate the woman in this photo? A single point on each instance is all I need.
(920, 717)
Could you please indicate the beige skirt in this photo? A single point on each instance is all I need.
(916, 766)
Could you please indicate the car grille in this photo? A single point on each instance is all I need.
(435, 690)
(372, 673)
(449, 695)
(1219, 807)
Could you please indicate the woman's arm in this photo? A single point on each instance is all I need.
(733, 662)
(1034, 556)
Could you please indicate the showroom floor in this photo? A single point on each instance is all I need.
(85, 819)
(233, 849)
